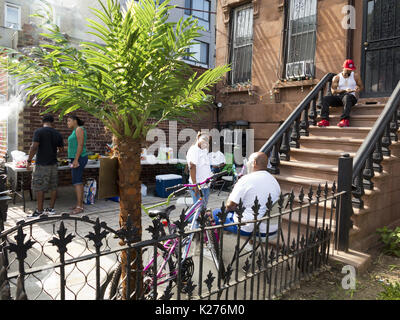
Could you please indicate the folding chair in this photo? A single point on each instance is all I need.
(274, 232)
(228, 178)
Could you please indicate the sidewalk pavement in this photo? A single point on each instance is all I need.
(81, 276)
(106, 210)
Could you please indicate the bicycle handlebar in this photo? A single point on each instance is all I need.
(185, 186)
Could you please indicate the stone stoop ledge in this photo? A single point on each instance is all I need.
(359, 260)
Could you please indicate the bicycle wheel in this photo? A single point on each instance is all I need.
(115, 283)
(213, 245)
(106, 283)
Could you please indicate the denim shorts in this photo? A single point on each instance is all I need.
(234, 229)
(77, 173)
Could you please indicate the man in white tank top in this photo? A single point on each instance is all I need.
(346, 87)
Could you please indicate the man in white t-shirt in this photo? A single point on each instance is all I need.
(217, 160)
(257, 183)
(199, 167)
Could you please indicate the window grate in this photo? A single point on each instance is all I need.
(301, 39)
(241, 44)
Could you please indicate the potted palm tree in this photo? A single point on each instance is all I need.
(133, 73)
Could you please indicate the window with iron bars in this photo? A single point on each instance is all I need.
(241, 44)
(301, 39)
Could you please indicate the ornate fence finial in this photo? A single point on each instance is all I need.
(181, 223)
(98, 235)
(209, 281)
(155, 229)
(62, 240)
(129, 232)
(20, 248)
(301, 195)
(256, 207)
(202, 218)
(222, 214)
(239, 210)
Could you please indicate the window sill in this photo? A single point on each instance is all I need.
(294, 84)
(228, 90)
(10, 28)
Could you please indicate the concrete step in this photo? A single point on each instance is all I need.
(321, 156)
(344, 144)
(382, 100)
(290, 182)
(360, 109)
(337, 132)
(324, 172)
(355, 121)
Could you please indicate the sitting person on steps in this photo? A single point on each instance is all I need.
(256, 183)
(346, 87)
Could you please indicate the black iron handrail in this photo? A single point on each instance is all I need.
(376, 145)
(377, 131)
(301, 113)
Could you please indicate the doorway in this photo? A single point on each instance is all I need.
(381, 47)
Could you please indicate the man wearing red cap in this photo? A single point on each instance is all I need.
(346, 87)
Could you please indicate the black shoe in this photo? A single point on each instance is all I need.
(36, 214)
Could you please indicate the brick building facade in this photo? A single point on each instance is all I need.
(279, 33)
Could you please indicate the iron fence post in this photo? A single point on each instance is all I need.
(343, 222)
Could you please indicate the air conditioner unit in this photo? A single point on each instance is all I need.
(299, 69)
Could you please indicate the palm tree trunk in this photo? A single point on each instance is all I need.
(128, 151)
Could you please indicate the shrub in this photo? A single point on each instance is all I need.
(391, 240)
(391, 292)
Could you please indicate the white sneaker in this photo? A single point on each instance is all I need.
(50, 211)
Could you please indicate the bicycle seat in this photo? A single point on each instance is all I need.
(162, 213)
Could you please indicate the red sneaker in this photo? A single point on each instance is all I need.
(323, 123)
(343, 123)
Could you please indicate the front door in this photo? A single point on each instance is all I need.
(381, 47)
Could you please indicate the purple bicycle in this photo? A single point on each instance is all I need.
(166, 270)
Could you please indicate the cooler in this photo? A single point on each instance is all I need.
(164, 181)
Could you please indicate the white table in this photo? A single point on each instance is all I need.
(13, 171)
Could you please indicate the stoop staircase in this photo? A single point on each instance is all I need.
(315, 162)
(312, 161)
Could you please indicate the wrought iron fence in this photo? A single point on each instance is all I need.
(70, 257)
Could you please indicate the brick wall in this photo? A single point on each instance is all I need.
(259, 107)
(97, 138)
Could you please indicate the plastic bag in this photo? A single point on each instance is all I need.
(89, 191)
(144, 190)
(18, 156)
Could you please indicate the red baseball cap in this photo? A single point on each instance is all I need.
(349, 64)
